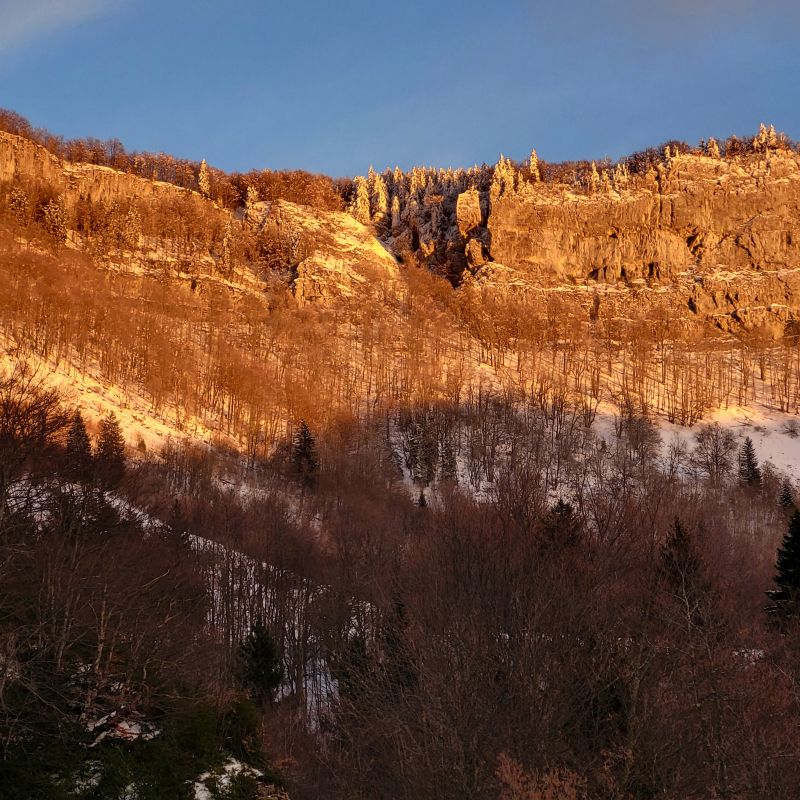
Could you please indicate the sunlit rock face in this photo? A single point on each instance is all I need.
(74, 182)
(334, 256)
(721, 237)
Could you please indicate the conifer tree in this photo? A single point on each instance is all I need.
(360, 209)
(449, 467)
(252, 197)
(787, 567)
(204, 180)
(55, 219)
(594, 178)
(713, 148)
(80, 464)
(534, 166)
(262, 671)
(681, 565)
(396, 218)
(380, 197)
(110, 453)
(749, 471)
(304, 455)
(786, 500)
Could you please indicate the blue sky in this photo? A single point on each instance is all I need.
(337, 86)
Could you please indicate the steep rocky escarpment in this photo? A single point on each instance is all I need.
(22, 159)
(724, 236)
(321, 255)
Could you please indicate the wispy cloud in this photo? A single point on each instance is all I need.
(667, 21)
(22, 21)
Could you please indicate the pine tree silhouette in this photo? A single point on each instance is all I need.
(304, 455)
(749, 471)
(786, 500)
(262, 671)
(80, 464)
(786, 596)
(110, 453)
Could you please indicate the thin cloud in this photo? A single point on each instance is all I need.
(668, 21)
(26, 20)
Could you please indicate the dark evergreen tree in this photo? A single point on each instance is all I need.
(399, 669)
(749, 471)
(681, 567)
(110, 453)
(423, 453)
(262, 671)
(787, 595)
(449, 468)
(422, 501)
(354, 669)
(786, 500)
(305, 459)
(562, 526)
(80, 464)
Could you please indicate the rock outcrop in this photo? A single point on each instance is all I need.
(333, 256)
(722, 236)
(23, 159)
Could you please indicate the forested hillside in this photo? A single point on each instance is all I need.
(296, 498)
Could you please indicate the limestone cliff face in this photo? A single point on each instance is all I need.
(717, 240)
(22, 159)
(329, 255)
(333, 255)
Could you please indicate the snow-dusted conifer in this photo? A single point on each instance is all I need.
(594, 178)
(396, 220)
(713, 148)
(252, 197)
(620, 177)
(534, 166)
(132, 229)
(55, 219)
(380, 197)
(360, 209)
(204, 180)
(226, 260)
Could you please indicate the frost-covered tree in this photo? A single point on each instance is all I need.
(380, 197)
(713, 148)
(55, 219)
(594, 178)
(620, 177)
(204, 180)
(252, 197)
(396, 219)
(19, 205)
(226, 259)
(360, 208)
(534, 166)
(132, 229)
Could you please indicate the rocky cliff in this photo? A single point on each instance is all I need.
(21, 159)
(718, 240)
